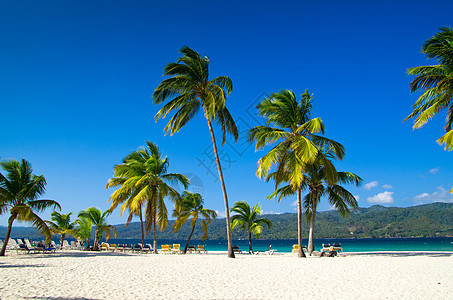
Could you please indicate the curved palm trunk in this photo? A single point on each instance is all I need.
(188, 240)
(8, 234)
(225, 197)
(299, 223)
(96, 240)
(141, 227)
(250, 242)
(62, 239)
(155, 236)
(87, 247)
(311, 245)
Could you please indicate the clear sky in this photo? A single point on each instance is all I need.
(76, 79)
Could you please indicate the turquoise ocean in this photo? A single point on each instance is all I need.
(349, 245)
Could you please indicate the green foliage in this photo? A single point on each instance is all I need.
(99, 220)
(436, 84)
(248, 219)
(19, 193)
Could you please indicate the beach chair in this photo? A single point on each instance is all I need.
(296, 248)
(137, 248)
(54, 245)
(191, 249)
(165, 249)
(112, 247)
(23, 248)
(325, 247)
(147, 248)
(120, 247)
(12, 245)
(128, 247)
(236, 249)
(65, 245)
(337, 247)
(29, 246)
(20, 241)
(105, 247)
(200, 249)
(176, 249)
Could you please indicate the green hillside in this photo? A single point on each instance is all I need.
(428, 220)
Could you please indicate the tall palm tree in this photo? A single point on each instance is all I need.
(99, 220)
(289, 122)
(320, 183)
(144, 181)
(61, 225)
(83, 230)
(190, 89)
(248, 219)
(191, 206)
(19, 193)
(436, 83)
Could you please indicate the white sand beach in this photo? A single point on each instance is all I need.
(105, 275)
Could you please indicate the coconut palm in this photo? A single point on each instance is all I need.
(144, 181)
(19, 193)
(320, 183)
(190, 90)
(61, 225)
(436, 83)
(83, 230)
(99, 220)
(191, 206)
(289, 122)
(248, 219)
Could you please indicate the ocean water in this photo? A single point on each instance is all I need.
(349, 245)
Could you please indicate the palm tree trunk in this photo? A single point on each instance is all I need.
(311, 246)
(250, 242)
(96, 240)
(155, 236)
(225, 197)
(88, 245)
(299, 223)
(8, 233)
(61, 240)
(188, 240)
(141, 227)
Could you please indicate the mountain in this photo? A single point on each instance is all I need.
(429, 220)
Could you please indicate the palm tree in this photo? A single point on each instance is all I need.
(320, 183)
(191, 206)
(289, 122)
(144, 181)
(83, 230)
(249, 220)
(61, 225)
(99, 220)
(191, 89)
(19, 193)
(436, 83)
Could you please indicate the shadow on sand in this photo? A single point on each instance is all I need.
(60, 298)
(404, 254)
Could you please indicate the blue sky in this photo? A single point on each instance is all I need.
(76, 79)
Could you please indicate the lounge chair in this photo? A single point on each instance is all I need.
(165, 249)
(120, 247)
(12, 245)
(296, 248)
(105, 247)
(325, 247)
(23, 248)
(236, 249)
(28, 245)
(200, 248)
(128, 247)
(191, 249)
(176, 249)
(138, 248)
(147, 248)
(65, 245)
(20, 241)
(112, 247)
(337, 247)
(53, 245)
(41, 246)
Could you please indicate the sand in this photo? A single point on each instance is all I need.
(106, 275)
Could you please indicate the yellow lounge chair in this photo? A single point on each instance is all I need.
(165, 249)
(200, 248)
(112, 247)
(337, 247)
(325, 247)
(176, 248)
(296, 248)
(104, 246)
